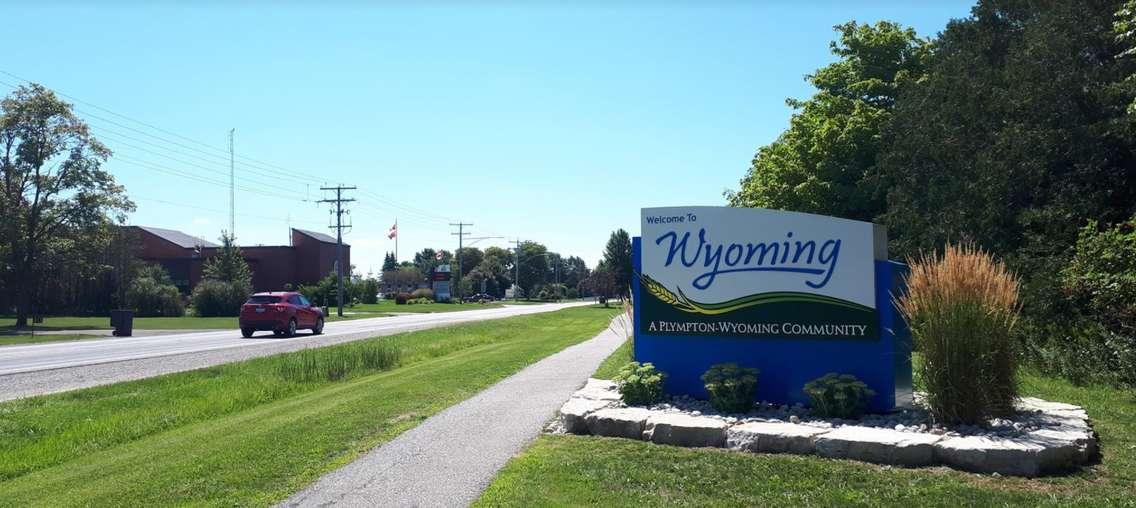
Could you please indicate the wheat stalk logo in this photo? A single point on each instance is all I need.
(680, 301)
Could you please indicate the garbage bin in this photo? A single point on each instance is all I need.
(122, 321)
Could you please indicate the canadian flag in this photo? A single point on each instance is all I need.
(393, 231)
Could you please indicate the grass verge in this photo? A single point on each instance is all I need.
(585, 470)
(244, 434)
(27, 338)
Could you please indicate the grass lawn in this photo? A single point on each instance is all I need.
(8, 340)
(241, 433)
(585, 470)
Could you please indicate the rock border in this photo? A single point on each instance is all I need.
(1059, 436)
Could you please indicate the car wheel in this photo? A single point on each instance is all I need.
(291, 328)
(319, 327)
(247, 332)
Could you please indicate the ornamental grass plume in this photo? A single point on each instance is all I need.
(961, 307)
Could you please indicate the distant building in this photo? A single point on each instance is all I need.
(310, 257)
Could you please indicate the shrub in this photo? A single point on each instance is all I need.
(962, 307)
(419, 301)
(213, 297)
(732, 389)
(401, 298)
(152, 293)
(640, 384)
(337, 362)
(839, 395)
(423, 293)
(369, 291)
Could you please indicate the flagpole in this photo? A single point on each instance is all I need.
(396, 240)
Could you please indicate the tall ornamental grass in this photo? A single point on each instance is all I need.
(962, 307)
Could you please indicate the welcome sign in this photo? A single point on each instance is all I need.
(794, 295)
(753, 272)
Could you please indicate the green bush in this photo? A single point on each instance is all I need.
(640, 384)
(1091, 339)
(961, 307)
(419, 301)
(732, 388)
(422, 293)
(153, 294)
(214, 297)
(1081, 350)
(401, 298)
(839, 395)
(335, 363)
(369, 291)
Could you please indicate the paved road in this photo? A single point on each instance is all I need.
(58, 366)
(451, 457)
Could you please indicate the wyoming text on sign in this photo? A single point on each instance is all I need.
(745, 272)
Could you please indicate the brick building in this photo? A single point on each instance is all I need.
(310, 257)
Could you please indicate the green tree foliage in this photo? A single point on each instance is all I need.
(497, 269)
(617, 259)
(390, 262)
(152, 293)
(823, 162)
(427, 260)
(226, 284)
(56, 201)
(535, 268)
(1016, 136)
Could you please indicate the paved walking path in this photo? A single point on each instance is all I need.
(452, 456)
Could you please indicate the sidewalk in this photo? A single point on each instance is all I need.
(452, 456)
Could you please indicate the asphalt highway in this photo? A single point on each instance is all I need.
(34, 369)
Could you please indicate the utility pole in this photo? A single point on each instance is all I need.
(460, 234)
(517, 265)
(338, 239)
(232, 188)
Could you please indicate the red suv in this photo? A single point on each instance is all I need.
(281, 312)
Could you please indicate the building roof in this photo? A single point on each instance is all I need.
(178, 238)
(318, 236)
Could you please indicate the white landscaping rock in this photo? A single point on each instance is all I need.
(598, 389)
(881, 446)
(573, 414)
(773, 437)
(618, 422)
(685, 430)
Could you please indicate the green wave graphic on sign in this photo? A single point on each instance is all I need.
(680, 301)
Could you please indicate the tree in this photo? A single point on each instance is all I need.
(823, 162)
(427, 260)
(470, 258)
(534, 266)
(226, 284)
(152, 293)
(390, 262)
(497, 268)
(617, 259)
(1017, 136)
(573, 271)
(600, 283)
(54, 189)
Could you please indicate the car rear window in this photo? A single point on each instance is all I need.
(261, 299)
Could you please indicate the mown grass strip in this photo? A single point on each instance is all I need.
(584, 470)
(241, 434)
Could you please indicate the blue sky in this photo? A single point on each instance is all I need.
(547, 122)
